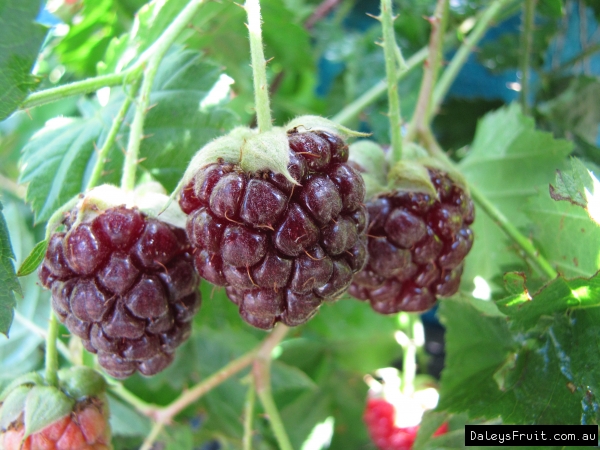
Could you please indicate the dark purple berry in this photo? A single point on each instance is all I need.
(280, 248)
(417, 246)
(125, 284)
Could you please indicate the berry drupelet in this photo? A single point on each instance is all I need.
(125, 284)
(280, 248)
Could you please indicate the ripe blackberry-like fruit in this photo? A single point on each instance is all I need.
(380, 418)
(125, 284)
(280, 248)
(417, 245)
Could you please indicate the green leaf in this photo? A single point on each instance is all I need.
(126, 421)
(566, 236)
(21, 39)
(34, 259)
(577, 109)
(9, 284)
(178, 437)
(13, 405)
(58, 160)
(44, 406)
(507, 147)
(531, 376)
(286, 377)
(23, 352)
(559, 296)
(578, 186)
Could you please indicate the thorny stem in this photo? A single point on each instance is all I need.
(51, 353)
(352, 110)
(495, 214)
(526, 43)
(112, 135)
(261, 372)
(137, 127)
(592, 49)
(463, 52)
(423, 110)
(160, 46)
(391, 49)
(248, 416)
(259, 67)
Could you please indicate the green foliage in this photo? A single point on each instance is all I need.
(59, 159)
(21, 39)
(8, 279)
(509, 161)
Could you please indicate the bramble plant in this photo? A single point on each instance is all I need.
(193, 192)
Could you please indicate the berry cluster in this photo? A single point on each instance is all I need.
(280, 249)
(417, 245)
(379, 416)
(86, 428)
(125, 284)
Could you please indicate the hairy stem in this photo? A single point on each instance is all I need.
(51, 353)
(78, 87)
(248, 417)
(120, 391)
(262, 380)
(495, 214)
(423, 110)
(259, 67)
(136, 132)
(112, 134)
(352, 110)
(409, 356)
(526, 44)
(390, 50)
(465, 49)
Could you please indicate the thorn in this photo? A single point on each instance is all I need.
(95, 146)
(28, 113)
(374, 17)
(151, 106)
(250, 276)
(146, 136)
(269, 60)
(141, 160)
(162, 265)
(312, 257)
(234, 221)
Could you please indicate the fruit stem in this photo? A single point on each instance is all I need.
(410, 322)
(51, 352)
(248, 416)
(493, 212)
(463, 52)
(526, 44)
(259, 65)
(120, 391)
(112, 135)
(151, 438)
(391, 50)
(160, 46)
(353, 109)
(423, 109)
(261, 372)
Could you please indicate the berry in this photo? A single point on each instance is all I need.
(126, 285)
(380, 418)
(85, 428)
(417, 245)
(279, 248)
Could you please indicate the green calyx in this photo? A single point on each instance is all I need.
(256, 152)
(150, 198)
(410, 174)
(29, 400)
